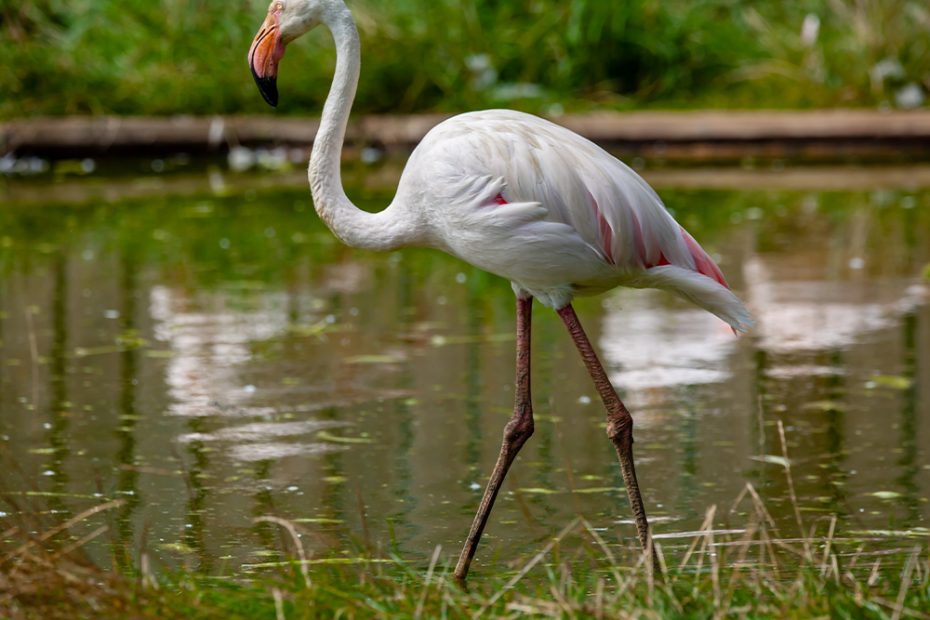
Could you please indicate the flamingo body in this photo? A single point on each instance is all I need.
(552, 212)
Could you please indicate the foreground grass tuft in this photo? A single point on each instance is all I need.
(745, 571)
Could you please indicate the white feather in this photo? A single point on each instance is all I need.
(577, 220)
(701, 290)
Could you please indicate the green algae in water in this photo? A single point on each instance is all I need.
(327, 436)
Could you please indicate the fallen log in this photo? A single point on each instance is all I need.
(701, 136)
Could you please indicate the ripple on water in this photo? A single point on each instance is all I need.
(262, 430)
(252, 452)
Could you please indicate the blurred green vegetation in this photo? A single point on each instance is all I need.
(188, 56)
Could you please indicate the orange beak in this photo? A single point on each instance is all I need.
(266, 51)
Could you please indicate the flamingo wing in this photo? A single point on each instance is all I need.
(536, 203)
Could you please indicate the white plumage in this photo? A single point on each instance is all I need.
(552, 212)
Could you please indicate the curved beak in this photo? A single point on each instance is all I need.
(267, 49)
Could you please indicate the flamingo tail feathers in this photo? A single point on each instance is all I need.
(702, 289)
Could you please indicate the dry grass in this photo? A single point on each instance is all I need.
(737, 564)
(744, 569)
(43, 572)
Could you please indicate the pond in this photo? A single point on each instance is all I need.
(199, 346)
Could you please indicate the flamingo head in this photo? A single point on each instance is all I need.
(286, 20)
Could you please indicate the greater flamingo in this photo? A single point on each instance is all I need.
(517, 196)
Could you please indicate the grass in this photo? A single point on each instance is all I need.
(748, 572)
(177, 56)
(744, 570)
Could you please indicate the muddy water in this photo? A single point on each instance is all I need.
(211, 355)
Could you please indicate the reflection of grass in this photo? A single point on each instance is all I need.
(174, 56)
(260, 238)
(745, 570)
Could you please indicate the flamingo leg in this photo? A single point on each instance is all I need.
(517, 431)
(619, 425)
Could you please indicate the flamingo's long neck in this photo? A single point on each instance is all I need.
(385, 230)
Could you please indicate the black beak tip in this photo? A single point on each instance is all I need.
(268, 87)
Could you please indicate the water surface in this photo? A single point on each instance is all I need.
(203, 348)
